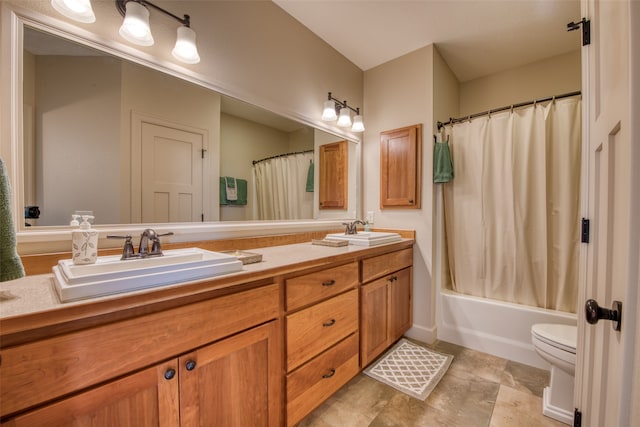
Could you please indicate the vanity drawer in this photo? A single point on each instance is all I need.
(314, 329)
(384, 264)
(312, 287)
(315, 381)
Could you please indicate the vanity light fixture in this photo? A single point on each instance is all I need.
(330, 113)
(135, 28)
(78, 10)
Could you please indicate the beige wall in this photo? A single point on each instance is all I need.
(76, 151)
(252, 50)
(243, 141)
(549, 77)
(400, 93)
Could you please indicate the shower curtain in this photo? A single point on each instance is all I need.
(512, 212)
(280, 185)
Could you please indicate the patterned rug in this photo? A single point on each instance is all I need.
(410, 368)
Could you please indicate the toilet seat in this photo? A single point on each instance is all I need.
(562, 337)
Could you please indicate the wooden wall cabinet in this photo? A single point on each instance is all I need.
(333, 175)
(386, 302)
(401, 168)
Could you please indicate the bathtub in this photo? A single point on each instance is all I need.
(495, 327)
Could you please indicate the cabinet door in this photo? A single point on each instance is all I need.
(400, 303)
(333, 175)
(374, 325)
(234, 382)
(401, 167)
(147, 398)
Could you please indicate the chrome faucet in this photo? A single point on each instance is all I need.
(351, 227)
(143, 248)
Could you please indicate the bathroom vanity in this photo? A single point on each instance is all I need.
(263, 346)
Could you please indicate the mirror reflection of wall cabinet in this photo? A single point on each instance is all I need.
(401, 167)
(333, 159)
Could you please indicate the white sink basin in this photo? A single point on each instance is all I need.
(366, 238)
(110, 274)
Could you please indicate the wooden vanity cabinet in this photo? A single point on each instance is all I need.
(322, 336)
(208, 363)
(386, 302)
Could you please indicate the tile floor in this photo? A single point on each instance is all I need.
(477, 390)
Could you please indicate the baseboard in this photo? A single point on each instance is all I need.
(423, 333)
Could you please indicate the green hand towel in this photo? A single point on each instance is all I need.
(10, 264)
(442, 164)
(310, 178)
(241, 191)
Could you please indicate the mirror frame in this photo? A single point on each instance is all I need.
(51, 238)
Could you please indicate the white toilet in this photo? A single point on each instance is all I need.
(556, 344)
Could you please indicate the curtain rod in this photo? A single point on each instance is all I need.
(508, 107)
(282, 155)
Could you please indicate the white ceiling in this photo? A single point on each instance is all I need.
(475, 37)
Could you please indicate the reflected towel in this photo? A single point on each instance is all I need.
(10, 264)
(230, 189)
(442, 164)
(241, 191)
(309, 186)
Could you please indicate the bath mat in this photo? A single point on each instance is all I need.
(410, 368)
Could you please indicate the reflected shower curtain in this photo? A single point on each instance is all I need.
(512, 212)
(280, 185)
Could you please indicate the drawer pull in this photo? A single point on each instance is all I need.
(329, 323)
(329, 282)
(330, 374)
(190, 365)
(169, 373)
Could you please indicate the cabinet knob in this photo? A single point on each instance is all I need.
(329, 282)
(410, 201)
(329, 323)
(169, 373)
(190, 365)
(331, 373)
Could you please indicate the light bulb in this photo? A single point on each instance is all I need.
(135, 27)
(345, 118)
(329, 112)
(185, 49)
(78, 10)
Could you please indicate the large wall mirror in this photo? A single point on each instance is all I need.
(134, 145)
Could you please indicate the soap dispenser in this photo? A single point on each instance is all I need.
(84, 246)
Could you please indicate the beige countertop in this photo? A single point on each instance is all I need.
(36, 295)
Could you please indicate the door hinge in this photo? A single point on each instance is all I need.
(577, 418)
(586, 30)
(201, 217)
(584, 232)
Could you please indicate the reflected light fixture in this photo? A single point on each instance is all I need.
(78, 10)
(135, 28)
(330, 113)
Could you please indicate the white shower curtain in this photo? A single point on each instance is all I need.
(512, 212)
(280, 185)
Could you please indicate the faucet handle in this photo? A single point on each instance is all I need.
(156, 248)
(127, 251)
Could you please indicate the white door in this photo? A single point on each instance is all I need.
(171, 174)
(607, 366)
